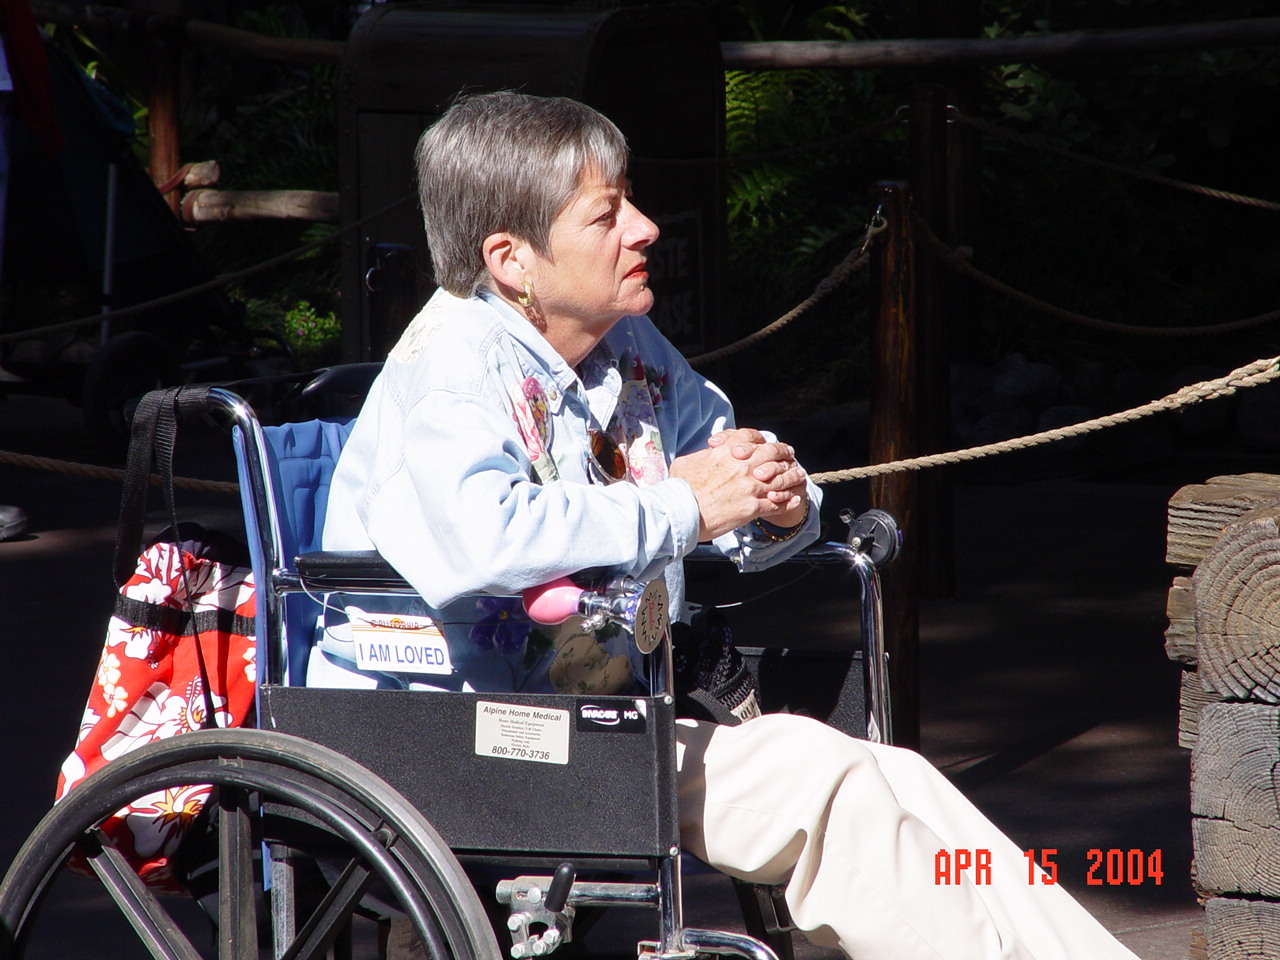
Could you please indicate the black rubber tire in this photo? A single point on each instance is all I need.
(127, 366)
(382, 838)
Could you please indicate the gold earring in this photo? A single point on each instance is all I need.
(525, 299)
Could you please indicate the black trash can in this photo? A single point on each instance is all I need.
(654, 69)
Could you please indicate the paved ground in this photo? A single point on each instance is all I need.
(1046, 692)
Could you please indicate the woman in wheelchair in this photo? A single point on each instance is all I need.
(532, 423)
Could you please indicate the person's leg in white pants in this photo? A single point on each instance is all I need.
(853, 829)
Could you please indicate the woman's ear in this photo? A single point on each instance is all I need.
(503, 256)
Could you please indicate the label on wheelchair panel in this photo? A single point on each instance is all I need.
(514, 731)
(398, 643)
(611, 716)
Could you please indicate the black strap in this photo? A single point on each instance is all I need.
(137, 478)
(152, 437)
(151, 443)
(181, 623)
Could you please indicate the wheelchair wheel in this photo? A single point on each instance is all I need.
(272, 792)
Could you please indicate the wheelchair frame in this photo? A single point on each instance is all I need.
(280, 792)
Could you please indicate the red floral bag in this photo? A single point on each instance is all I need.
(179, 650)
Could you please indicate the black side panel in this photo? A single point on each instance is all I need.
(615, 797)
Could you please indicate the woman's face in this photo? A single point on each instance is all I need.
(595, 274)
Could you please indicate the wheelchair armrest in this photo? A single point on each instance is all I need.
(345, 378)
(349, 571)
(824, 551)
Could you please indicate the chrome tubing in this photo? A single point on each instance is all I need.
(262, 528)
(587, 893)
(671, 942)
(875, 658)
(724, 943)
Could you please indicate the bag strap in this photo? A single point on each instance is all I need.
(152, 437)
(151, 442)
(137, 478)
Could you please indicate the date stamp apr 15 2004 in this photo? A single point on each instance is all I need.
(1114, 867)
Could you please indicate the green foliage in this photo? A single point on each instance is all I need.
(114, 73)
(793, 217)
(1078, 236)
(274, 125)
(269, 124)
(312, 334)
(298, 300)
(1104, 244)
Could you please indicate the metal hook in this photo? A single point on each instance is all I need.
(877, 224)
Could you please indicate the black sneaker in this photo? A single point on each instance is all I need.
(13, 522)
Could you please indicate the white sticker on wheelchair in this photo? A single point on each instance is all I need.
(398, 643)
(513, 731)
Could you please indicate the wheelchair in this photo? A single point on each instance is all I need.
(345, 807)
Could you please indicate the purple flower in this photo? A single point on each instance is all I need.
(504, 627)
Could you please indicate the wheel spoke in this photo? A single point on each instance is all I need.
(363, 823)
(139, 905)
(333, 915)
(237, 915)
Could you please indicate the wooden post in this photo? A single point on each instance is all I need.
(933, 283)
(1223, 622)
(163, 126)
(893, 436)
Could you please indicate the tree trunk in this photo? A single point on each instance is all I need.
(1192, 698)
(1180, 637)
(1198, 513)
(1242, 929)
(211, 206)
(1236, 590)
(1233, 800)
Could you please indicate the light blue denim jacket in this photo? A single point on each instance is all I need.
(437, 476)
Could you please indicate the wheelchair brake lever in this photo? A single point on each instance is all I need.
(642, 609)
(560, 887)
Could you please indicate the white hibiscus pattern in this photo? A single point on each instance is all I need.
(147, 687)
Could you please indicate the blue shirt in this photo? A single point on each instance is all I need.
(447, 478)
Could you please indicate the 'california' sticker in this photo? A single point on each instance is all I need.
(398, 643)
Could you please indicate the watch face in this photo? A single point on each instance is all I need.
(652, 618)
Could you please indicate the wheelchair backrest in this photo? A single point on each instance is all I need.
(300, 459)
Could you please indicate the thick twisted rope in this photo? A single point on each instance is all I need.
(854, 261)
(209, 285)
(95, 472)
(1037, 144)
(961, 262)
(1250, 375)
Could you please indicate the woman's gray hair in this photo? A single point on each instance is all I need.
(506, 163)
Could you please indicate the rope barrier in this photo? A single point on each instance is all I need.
(95, 472)
(961, 262)
(854, 261)
(1250, 375)
(1258, 372)
(1037, 144)
(214, 284)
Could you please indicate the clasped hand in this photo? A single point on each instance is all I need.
(741, 476)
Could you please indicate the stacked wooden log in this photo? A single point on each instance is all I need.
(1224, 627)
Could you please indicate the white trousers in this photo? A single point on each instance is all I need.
(853, 829)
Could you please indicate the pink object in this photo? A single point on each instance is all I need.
(553, 602)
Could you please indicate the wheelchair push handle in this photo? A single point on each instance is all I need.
(641, 609)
